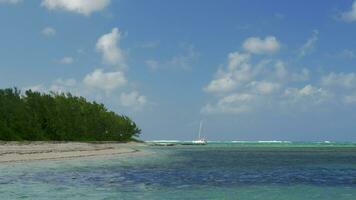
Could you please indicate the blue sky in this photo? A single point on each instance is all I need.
(252, 70)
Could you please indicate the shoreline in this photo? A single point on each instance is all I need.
(12, 152)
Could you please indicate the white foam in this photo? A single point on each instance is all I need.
(274, 141)
(163, 141)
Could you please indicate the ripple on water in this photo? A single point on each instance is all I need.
(186, 169)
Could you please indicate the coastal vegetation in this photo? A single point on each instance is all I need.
(36, 116)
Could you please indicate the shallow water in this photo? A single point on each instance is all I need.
(215, 171)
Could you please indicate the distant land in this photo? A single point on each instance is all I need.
(36, 116)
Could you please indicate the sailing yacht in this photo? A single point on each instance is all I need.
(200, 140)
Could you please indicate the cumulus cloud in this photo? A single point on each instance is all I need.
(59, 86)
(242, 85)
(350, 16)
(309, 45)
(273, 89)
(84, 7)
(280, 70)
(132, 99)
(108, 46)
(246, 87)
(63, 85)
(268, 97)
(11, 1)
(49, 31)
(339, 80)
(233, 104)
(257, 45)
(223, 83)
(247, 84)
(66, 60)
(341, 85)
(106, 81)
(240, 73)
(99, 83)
(350, 99)
(238, 70)
(308, 92)
(264, 87)
(35, 88)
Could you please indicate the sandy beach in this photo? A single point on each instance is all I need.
(29, 151)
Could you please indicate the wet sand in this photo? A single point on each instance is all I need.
(29, 151)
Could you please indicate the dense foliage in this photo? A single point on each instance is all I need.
(60, 117)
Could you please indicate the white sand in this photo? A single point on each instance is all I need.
(17, 151)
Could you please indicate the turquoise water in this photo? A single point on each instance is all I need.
(215, 171)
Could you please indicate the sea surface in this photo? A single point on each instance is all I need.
(220, 170)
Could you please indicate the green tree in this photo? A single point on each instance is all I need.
(60, 117)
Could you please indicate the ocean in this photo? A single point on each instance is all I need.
(220, 170)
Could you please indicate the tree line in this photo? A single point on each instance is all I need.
(36, 116)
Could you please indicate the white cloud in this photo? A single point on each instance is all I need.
(242, 86)
(264, 87)
(238, 71)
(306, 96)
(11, 1)
(223, 83)
(63, 85)
(280, 70)
(49, 31)
(309, 45)
(133, 100)
(307, 90)
(108, 45)
(267, 88)
(237, 59)
(98, 83)
(350, 99)
(350, 16)
(343, 85)
(339, 80)
(59, 85)
(35, 88)
(233, 104)
(261, 46)
(106, 81)
(267, 97)
(66, 60)
(84, 7)
(247, 84)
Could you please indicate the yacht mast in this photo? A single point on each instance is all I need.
(200, 128)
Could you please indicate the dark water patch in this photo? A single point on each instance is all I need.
(218, 167)
(176, 177)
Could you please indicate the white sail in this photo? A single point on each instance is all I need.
(200, 128)
(200, 140)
